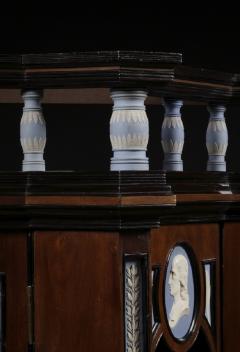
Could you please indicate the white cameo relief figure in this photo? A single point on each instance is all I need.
(178, 284)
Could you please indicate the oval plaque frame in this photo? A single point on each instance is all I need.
(180, 291)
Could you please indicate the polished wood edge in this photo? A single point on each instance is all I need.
(198, 83)
(160, 200)
(207, 197)
(92, 69)
(71, 200)
(74, 69)
(148, 200)
(89, 200)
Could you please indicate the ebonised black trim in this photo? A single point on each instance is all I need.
(84, 183)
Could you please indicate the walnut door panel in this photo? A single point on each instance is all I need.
(13, 291)
(231, 287)
(185, 293)
(78, 292)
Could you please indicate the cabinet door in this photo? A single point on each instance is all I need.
(185, 288)
(78, 293)
(231, 287)
(13, 292)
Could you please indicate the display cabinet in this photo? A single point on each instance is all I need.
(130, 260)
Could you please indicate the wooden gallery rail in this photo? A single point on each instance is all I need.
(131, 260)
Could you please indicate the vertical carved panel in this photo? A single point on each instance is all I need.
(135, 306)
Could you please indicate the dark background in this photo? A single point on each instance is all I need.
(78, 136)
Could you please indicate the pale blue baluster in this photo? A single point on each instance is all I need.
(129, 131)
(172, 135)
(32, 132)
(216, 138)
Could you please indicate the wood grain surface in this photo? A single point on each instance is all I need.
(78, 292)
(13, 262)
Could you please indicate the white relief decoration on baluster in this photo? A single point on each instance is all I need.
(32, 116)
(217, 149)
(172, 147)
(133, 311)
(131, 141)
(217, 126)
(137, 116)
(172, 122)
(33, 144)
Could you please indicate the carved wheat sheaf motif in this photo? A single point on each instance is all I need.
(133, 311)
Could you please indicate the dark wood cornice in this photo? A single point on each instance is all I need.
(95, 58)
(116, 200)
(198, 84)
(199, 183)
(87, 69)
(162, 74)
(203, 197)
(69, 183)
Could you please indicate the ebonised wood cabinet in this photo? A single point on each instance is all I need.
(131, 260)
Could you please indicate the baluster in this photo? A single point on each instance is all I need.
(129, 131)
(32, 132)
(216, 138)
(172, 135)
